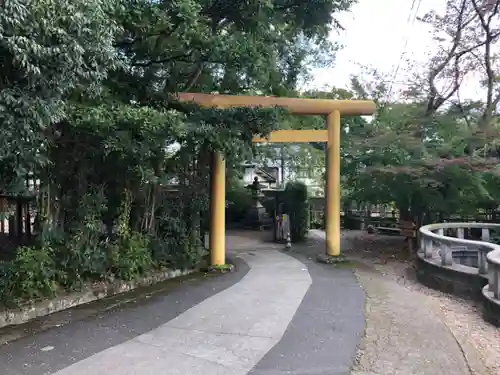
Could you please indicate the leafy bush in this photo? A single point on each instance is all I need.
(31, 275)
(130, 256)
(80, 260)
(297, 207)
(269, 204)
(177, 242)
(239, 202)
(36, 272)
(177, 251)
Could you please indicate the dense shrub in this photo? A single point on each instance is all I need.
(239, 201)
(31, 275)
(89, 253)
(270, 205)
(130, 256)
(297, 207)
(177, 251)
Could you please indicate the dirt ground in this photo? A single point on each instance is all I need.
(390, 256)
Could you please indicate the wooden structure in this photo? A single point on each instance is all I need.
(408, 228)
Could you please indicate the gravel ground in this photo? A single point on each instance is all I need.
(401, 336)
(463, 318)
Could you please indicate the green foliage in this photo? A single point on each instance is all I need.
(130, 256)
(269, 204)
(181, 251)
(80, 258)
(420, 160)
(31, 275)
(297, 207)
(79, 253)
(50, 49)
(86, 106)
(239, 200)
(229, 47)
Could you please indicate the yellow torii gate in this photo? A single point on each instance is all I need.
(333, 109)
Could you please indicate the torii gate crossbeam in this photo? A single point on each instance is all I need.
(332, 109)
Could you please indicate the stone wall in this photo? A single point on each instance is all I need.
(466, 258)
(491, 312)
(89, 293)
(468, 268)
(457, 279)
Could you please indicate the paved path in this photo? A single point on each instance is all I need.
(276, 315)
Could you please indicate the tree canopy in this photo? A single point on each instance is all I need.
(428, 149)
(87, 110)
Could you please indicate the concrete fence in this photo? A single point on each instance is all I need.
(468, 268)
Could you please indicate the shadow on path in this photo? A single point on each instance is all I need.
(323, 336)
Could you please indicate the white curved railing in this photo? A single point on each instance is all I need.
(433, 244)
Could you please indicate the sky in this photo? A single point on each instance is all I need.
(376, 34)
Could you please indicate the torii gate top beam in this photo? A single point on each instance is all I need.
(333, 109)
(298, 106)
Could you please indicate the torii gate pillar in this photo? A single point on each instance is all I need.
(333, 185)
(218, 211)
(333, 109)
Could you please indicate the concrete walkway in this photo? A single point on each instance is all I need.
(273, 316)
(278, 314)
(323, 335)
(226, 334)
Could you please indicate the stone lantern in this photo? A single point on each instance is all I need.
(256, 215)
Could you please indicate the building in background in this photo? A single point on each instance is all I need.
(273, 177)
(269, 177)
